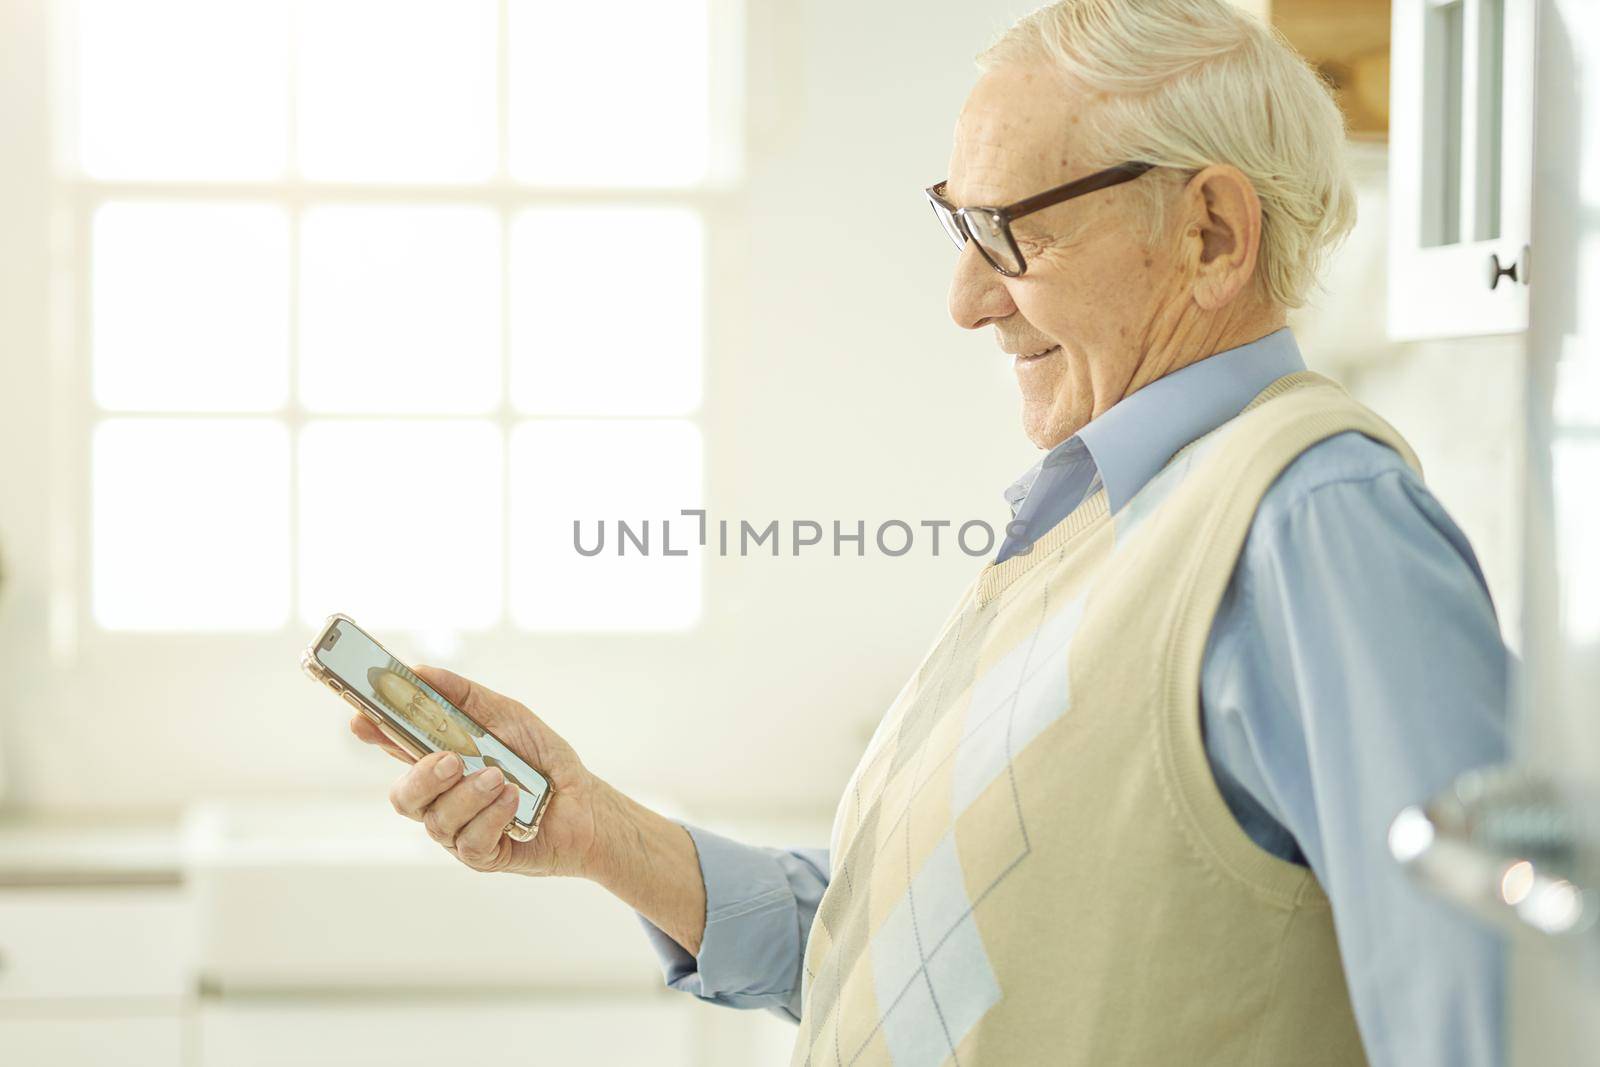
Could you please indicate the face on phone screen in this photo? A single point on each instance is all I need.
(414, 706)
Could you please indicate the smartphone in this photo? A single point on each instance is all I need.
(413, 715)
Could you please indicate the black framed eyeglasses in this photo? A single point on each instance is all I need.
(990, 227)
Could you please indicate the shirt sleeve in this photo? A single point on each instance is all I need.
(1357, 667)
(760, 903)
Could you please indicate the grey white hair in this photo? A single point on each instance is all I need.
(1192, 83)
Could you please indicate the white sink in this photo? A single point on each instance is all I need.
(338, 894)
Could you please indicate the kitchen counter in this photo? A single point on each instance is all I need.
(56, 851)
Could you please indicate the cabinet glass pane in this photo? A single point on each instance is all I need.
(190, 524)
(190, 306)
(400, 522)
(607, 313)
(400, 309)
(594, 471)
(1444, 84)
(187, 89)
(609, 94)
(1491, 89)
(397, 90)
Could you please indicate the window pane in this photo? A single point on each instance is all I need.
(400, 309)
(607, 315)
(190, 306)
(190, 524)
(1575, 471)
(642, 115)
(400, 523)
(182, 88)
(397, 90)
(1577, 399)
(594, 471)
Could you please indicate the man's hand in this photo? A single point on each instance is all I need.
(589, 829)
(468, 815)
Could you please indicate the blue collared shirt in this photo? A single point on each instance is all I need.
(1354, 666)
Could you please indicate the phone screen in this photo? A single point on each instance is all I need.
(417, 708)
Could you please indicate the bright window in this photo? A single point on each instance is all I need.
(1575, 471)
(637, 67)
(381, 296)
(571, 354)
(190, 306)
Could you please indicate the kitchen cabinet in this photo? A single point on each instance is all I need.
(92, 1041)
(427, 1030)
(80, 943)
(331, 932)
(1460, 167)
(93, 975)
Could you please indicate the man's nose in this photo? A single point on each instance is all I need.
(978, 296)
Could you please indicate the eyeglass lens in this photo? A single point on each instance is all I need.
(948, 221)
(986, 229)
(991, 235)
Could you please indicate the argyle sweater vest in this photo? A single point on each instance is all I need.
(1032, 863)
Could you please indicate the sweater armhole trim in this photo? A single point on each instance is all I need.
(1192, 794)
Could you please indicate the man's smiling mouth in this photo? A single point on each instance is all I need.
(1038, 355)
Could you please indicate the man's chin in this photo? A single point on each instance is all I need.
(1045, 429)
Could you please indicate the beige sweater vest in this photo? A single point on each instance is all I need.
(1032, 863)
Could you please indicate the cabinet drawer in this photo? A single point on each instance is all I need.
(93, 943)
(155, 1041)
(426, 1031)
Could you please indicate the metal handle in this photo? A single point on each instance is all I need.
(1496, 271)
(1517, 270)
(1508, 846)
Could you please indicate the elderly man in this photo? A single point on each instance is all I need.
(1132, 807)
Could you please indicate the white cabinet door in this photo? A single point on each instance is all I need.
(1461, 166)
(141, 1041)
(103, 943)
(428, 1030)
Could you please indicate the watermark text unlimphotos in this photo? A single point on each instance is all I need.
(893, 537)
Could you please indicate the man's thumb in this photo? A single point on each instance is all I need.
(449, 684)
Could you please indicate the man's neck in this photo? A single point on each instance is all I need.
(1202, 336)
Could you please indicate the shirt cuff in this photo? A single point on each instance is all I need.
(750, 952)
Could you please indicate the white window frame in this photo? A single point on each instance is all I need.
(74, 413)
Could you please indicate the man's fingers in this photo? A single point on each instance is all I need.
(478, 843)
(458, 805)
(467, 815)
(481, 703)
(366, 730)
(454, 688)
(430, 776)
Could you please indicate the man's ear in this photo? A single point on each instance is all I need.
(1223, 234)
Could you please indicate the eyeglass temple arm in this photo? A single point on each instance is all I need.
(1104, 179)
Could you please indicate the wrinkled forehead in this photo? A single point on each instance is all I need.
(1018, 132)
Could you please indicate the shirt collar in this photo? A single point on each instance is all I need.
(1130, 441)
